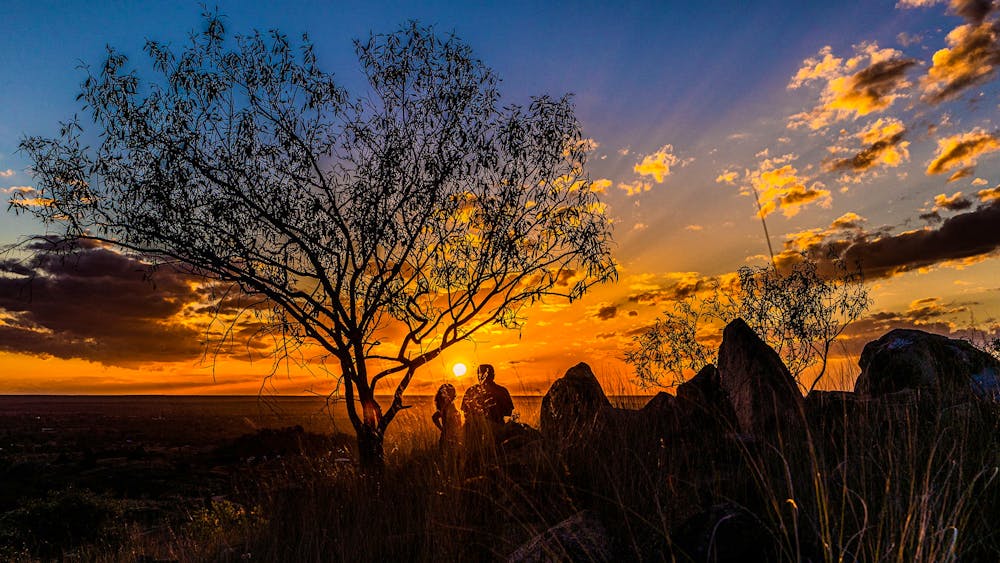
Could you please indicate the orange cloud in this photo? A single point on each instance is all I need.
(868, 82)
(780, 186)
(972, 56)
(962, 151)
(600, 185)
(954, 202)
(727, 177)
(885, 147)
(657, 164)
(635, 188)
(26, 196)
(991, 194)
(849, 220)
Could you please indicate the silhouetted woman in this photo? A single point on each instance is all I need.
(446, 418)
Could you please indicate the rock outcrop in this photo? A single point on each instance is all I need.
(574, 407)
(764, 396)
(705, 404)
(950, 370)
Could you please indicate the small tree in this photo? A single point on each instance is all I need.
(384, 228)
(798, 312)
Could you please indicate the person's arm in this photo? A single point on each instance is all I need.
(436, 419)
(508, 403)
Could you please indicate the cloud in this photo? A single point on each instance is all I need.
(98, 305)
(929, 314)
(607, 312)
(971, 57)
(867, 83)
(657, 164)
(960, 173)
(954, 202)
(780, 186)
(635, 188)
(966, 237)
(885, 147)
(26, 196)
(962, 151)
(675, 286)
(972, 10)
(694, 228)
(600, 185)
(849, 220)
(908, 39)
(6, 173)
(727, 177)
(988, 195)
(917, 3)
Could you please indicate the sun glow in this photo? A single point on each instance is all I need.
(458, 369)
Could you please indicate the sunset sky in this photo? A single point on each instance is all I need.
(867, 127)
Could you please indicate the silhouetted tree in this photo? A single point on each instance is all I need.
(797, 311)
(384, 227)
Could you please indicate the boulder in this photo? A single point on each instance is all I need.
(581, 537)
(661, 416)
(574, 407)
(950, 370)
(704, 402)
(764, 396)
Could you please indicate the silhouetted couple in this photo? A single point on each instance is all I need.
(486, 406)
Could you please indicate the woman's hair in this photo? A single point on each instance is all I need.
(445, 395)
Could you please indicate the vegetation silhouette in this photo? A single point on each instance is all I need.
(383, 228)
(798, 311)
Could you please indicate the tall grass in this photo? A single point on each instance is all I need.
(900, 480)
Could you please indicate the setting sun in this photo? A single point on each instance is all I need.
(458, 369)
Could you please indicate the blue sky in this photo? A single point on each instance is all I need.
(722, 96)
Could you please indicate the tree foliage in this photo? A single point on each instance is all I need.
(383, 227)
(798, 312)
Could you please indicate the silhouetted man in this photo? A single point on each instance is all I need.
(487, 399)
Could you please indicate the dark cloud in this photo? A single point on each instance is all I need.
(973, 10)
(955, 202)
(931, 217)
(607, 313)
(882, 78)
(928, 314)
(96, 304)
(674, 290)
(963, 236)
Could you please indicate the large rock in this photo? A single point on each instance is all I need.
(764, 396)
(574, 407)
(705, 404)
(950, 370)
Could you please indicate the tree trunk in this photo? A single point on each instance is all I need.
(371, 452)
